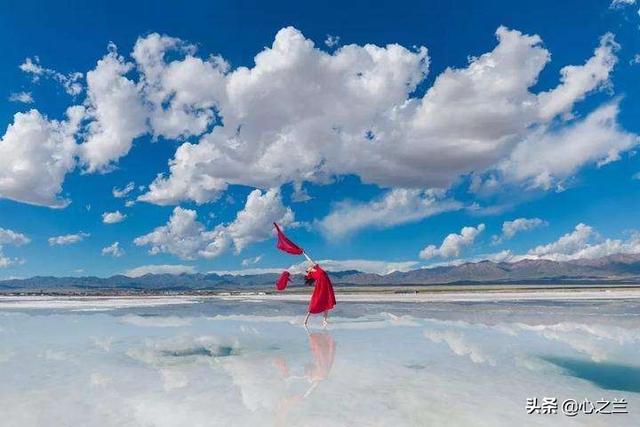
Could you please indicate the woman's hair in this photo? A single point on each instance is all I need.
(308, 281)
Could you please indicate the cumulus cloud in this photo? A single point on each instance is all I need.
(5, 261)
(351, 112)
(113, 217)
(548, 156)
(174, 269)
(113, 250)
(182, 236)
(70, 82)
(585, 242)
(35, 155)
(568, 243)
(10, 237)
(453, 244)
(23, 97)
(511, 228)
(300, 114)
(119, 193)
(394, 207)
(187, 238)
(116, 112)
(67, 239)
(182, 94)
(255, 221)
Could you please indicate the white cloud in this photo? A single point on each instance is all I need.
(568, 243)
(32, 67)
(584, 242)
(187, 238)
(67, 239)
(250, 261)
(511, 228)
(621, 3)
(332, 41)
(35, 155)
(363, 265)
(114, 250)
(287, 61)
(502, 256)
(300, 194)
(10, 237)
(393, 208)
(301, 114)
(453, 244)
(70, 82)
(113, 217)
(24, 97)
(255, 221)
(174, 269)
(577, 81)
(4, 261)
(581, 243)
(304, 114)
(182, 94)
(182, 236)
(294, 104)
(119, 193)
(248, 271)
(548, 156)
(116, 112)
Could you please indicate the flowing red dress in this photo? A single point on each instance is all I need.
(322, 298)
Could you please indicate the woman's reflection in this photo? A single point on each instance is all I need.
(323, 351)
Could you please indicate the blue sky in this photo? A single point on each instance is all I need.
(409, 136)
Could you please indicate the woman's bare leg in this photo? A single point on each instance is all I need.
(306, 319)
(325, 321)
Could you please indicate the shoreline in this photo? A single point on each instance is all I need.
(305, 291)
(487, 294)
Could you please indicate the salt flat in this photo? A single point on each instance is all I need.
(481, 295)
(246, 361)
(116, 302)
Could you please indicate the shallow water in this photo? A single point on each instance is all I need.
(203, 362)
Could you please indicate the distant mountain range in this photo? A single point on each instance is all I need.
(621, 268)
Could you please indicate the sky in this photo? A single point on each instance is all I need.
(155, 137)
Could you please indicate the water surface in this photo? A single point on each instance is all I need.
(205, 362)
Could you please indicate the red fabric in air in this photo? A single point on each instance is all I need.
(323, 297)
(286, 245)
(284, 278)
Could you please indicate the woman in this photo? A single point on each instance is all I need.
(323, 298)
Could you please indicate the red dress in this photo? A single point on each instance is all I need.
(322, 298)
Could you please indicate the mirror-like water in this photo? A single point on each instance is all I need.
(214, 362)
